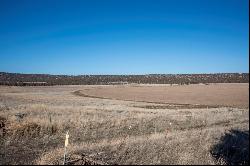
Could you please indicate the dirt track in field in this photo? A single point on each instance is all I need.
(224, 94)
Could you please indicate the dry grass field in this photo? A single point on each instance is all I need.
(234, 95)
(125, 124)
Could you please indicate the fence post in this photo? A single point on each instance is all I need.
(65, 147)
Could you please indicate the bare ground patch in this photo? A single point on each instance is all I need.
(214, 95)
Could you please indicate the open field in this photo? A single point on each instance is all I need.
(125, 124)
(235, 95)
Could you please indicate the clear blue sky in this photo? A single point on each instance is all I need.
(124, 36)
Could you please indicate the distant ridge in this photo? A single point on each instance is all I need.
(18, 79)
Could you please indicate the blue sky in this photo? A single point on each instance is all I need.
(124, 36)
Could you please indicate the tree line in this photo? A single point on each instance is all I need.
(16, 79)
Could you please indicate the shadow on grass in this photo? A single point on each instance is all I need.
(233, 148)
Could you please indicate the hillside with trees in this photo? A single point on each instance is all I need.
(16, 79)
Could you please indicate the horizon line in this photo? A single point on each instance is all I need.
(123, 74)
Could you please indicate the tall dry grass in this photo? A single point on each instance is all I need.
(109, 131)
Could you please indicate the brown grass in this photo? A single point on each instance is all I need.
(104, 131)
(234, 95)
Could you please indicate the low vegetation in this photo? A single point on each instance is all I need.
(34, 121)
(15, 79)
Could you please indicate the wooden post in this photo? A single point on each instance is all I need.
(65, 147)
